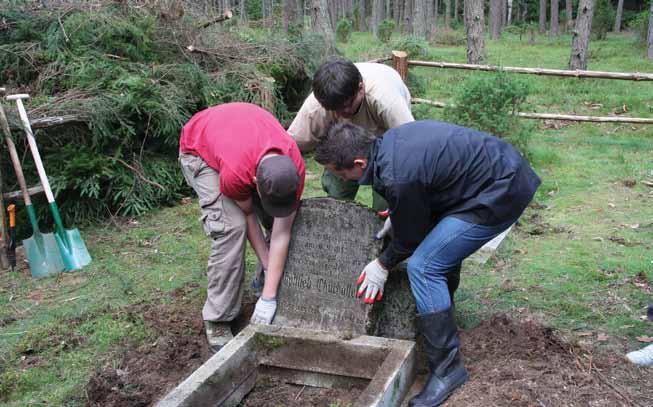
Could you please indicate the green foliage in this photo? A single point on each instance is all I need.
(128, 75)
(343, 30)
(489, 103)
(450, 38)
(413, 45)
(603, 19)
(640, 26)
(385, 29)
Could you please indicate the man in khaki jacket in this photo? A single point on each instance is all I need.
(370, 95)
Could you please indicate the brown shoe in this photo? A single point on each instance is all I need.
(217, 334)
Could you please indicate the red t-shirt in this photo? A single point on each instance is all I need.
(232, 138)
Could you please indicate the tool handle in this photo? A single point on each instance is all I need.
(32, 144)
(12, 215)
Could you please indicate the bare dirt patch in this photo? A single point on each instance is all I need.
(522, 363)
(270, 392)
(147, 371)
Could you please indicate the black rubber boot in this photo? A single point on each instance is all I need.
(442, 346)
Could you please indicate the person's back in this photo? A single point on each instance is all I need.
(460, 171)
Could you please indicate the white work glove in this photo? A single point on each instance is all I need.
(371, 281)
(264, 311)
(387, 228)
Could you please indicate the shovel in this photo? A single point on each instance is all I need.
(71, 246)
(41, 249)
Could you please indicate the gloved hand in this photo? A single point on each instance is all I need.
(387, 227)
(264, 311)
(371, 281)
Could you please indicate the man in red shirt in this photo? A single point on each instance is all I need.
(245, 169)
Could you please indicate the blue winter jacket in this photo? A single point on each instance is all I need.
(427, 170)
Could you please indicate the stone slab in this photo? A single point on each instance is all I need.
(388, 365)
(332, 241)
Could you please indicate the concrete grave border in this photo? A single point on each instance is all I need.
(314, 358)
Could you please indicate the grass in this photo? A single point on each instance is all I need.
(579, 263)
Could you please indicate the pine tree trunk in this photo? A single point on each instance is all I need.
(495, 19)
(503, 14)
(396, 12)
(429, 20)
(333, 13)
(617, 19)
(542, 16)
(581, 35)
(419, 24)
(649, 40)
(569, 10)
(243, 12)
(377, 15)
(509, 16)
(408, 16)
(447, 14)
(289, 14)
(455, 10)
(321, 23)
(362, 16)
(555, 26)
(474, 23)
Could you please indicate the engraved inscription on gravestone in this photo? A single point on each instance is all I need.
(331, 244)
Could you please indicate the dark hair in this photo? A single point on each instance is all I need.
(336, 82)
(344, 143)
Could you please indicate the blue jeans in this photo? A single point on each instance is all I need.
(442, 251)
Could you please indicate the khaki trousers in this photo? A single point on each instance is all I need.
(225, 224)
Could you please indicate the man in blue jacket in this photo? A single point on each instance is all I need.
(450, 190)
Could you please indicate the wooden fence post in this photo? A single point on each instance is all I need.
(400, 63)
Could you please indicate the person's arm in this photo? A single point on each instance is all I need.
(279, 242)
(411, 219)
(309, 125)
(254, 232)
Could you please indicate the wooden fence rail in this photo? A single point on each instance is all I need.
(554, 116)
(627, 76)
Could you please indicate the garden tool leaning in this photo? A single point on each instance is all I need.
(41, 249)
(71, 246)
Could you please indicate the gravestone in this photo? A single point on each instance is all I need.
(332, 241)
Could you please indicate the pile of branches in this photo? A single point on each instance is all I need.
(131, 74)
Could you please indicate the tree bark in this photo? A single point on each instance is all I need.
(362, 16)
(377, 15)
(542, 16)
(555, 25)
(509, 16)
(474, 23)
(447, 14)
(419, 24)
(617, 19)
(569, 11)
(455, 10)
(649, 40)
(289, 16)
(581, 35)
(321, 23)
(243, 12)
(408, 16)
(495, 19)
(396, 12)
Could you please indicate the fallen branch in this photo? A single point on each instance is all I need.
(629, 76)
(554, 116)
(140, 174)
(37, 189)
(226, 16)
